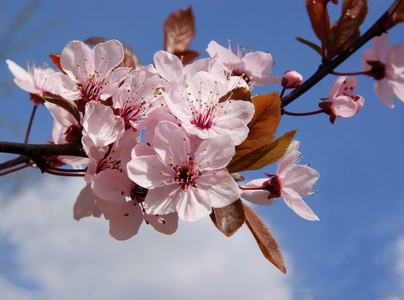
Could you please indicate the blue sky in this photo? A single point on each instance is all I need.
(356, 251)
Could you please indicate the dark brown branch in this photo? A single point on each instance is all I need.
(326, 68)
(38, 152)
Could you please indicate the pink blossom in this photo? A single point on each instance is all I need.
(125, 211)
(181, 180)
(342, 102)
(199, 106)
(254, 67)
(291, 79)
(91, 73)
(292, 182)
(386, 65)
(35, 80)
(138, 96)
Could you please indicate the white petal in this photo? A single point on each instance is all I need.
(397, 84)
(289, 159)
(217, 189)
(23, 79)
(215, 153)
(125, 221)
(168, 65)
(107, 56)
(380, 46)
(76, 58)
(225, 56)
(396, 58)
(297, 204)
(299, 179)
(112, 185)
(384, 93)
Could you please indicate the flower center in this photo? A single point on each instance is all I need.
(91, 88)
(378, 70)
(204, 119)
(185, 174)
(131, 113)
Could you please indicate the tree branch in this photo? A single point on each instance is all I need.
(326, 68)
(38, 152)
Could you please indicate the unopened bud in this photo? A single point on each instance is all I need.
(291, 79)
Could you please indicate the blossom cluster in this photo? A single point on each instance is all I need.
(159, 138)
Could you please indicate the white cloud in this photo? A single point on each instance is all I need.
(54, 256)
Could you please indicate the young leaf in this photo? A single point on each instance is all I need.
(310, 44)
(187, 55)
(63, 103)
(264, 238)
(263, 156)
(56, 60)
(179, 30)
(230, 218)
(320, 20)
(346, 30)
(262, 127)
(238, 93)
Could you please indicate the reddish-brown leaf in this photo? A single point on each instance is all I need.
(179, 30)
(264, 238)
(346, 30)
(238, 93)
(263, 156)
(262, 127)
(396, 15)
(320, 20)
(63, 103)
(187, 55)
(56, 60)
(130, 59)
(230, 218)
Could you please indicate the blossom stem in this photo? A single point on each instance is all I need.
(302, 114)
(52, 172)
(378, 28)
(16, 169)
(349, 73)
(30, 124)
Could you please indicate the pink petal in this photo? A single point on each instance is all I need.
(23, 79)
(125, 221)
(101, 124)
(215, 153)
(85, 204)
(218, 189)
(297, 204)
(259, 197)
(225, 56)
(380, 46)
(190, 209)
(168, 65)
(75, 59)
(384, 93)
(112, 185)
(396, 58)
(344, 107)
(397, 85)
(166, 224)
(299, 179)
(107, 56)
(368, 55)
(288, 160)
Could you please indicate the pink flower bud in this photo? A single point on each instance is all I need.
(291, 79)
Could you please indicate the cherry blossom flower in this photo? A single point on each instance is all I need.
(254, 67)
(91, 73)
(386, 65)
(342, 102)
(199, 106)
(125, 210)
(34, 80)
(181, 180)
(292, 182)
(138, 96)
